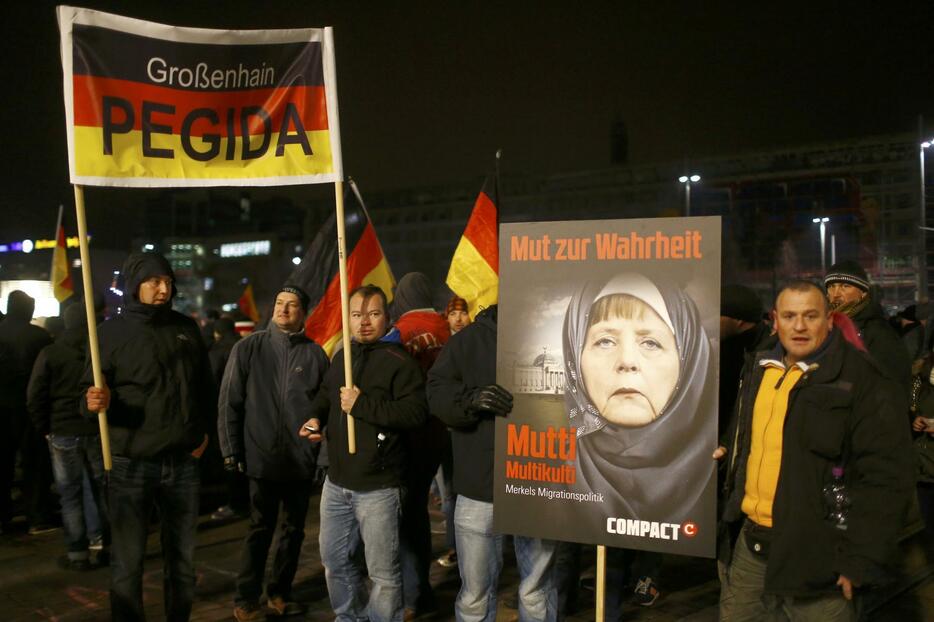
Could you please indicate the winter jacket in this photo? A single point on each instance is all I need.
(842, 411)
(219, 353)
(266, 394)
(54, 394)
(391, 400)
(162, 394)
(22, 343)
(467, 362)
(884, 344)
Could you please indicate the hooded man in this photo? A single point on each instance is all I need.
(54, 400)
(850, 293)
(21, 343)
(160, 398)
(269, 382)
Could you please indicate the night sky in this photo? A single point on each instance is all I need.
(429, 90)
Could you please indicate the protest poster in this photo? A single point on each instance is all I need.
(154, 105)
(608, 339)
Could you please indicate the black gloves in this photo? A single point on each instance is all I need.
(493, 398)
(234, 464)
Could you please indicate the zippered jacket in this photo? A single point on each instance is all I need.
(269, 382)
(843, 411)
(391, 401)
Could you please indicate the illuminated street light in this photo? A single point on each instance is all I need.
(823, 241)
(296, 260)
(687, 180)
(922, 215)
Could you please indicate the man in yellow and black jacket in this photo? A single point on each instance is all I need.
(813, 404)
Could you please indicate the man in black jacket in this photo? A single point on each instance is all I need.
(20, 343)
(54, 402)
(159, 396)
(361, 499)
(462, 392)
(269, 383)
(810, 413)
(850, 293)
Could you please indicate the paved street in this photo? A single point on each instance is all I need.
(33, 587)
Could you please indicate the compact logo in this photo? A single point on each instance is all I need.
(649, 529)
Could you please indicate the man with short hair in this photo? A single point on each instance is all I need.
(811, 410)
(159, 396)
(268, 386)
(849, 292)
(361, 498)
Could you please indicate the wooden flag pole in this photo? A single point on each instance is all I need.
(345, 305)
(600, 583)
(92, 324)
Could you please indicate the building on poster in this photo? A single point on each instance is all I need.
(608, 339)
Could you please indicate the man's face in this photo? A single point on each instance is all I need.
(803, 322)
(367, 318)
(156, 290)
(457, 320)
(288, 314)
(841, 293)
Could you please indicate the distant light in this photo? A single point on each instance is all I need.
(695, 178)
(925, 144)
(298, 248)
(76, 263)
(296, 260)
(229, 307)
(149, 247)
(244, 281)
(28, 246)
(208, 283)
(683, 179)
(820, 220)
(116, 291)
(246, 249)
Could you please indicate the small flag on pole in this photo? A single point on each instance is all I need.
(62, 285)
(318, 275)
(474, 272)
(247, 304)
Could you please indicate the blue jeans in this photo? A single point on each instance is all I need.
(73, 458)
(347, 517)
(480, 560)
(171, 483)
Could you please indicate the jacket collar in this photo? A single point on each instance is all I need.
(823, 365)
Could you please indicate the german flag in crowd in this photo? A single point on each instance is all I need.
(247, 304)
(474, 272)
(62, 285)
(318, 274)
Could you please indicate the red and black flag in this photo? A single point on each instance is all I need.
(318, 274)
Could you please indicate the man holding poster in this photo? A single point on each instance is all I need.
(614, 380)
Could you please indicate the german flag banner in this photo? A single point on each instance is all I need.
(153, 105)
(318, 275)
(474, 271)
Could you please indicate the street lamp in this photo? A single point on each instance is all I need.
(823, 241)
(687, 180)
(922, 214)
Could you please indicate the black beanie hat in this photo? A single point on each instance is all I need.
(298, 291)
(847, 271)
(741, 303)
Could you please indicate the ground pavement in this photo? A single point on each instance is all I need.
(33, 587)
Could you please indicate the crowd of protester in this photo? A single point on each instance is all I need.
(818, 386)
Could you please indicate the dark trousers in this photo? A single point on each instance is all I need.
(266, 496)
(171, 483)
(73, 459)
(37, 478)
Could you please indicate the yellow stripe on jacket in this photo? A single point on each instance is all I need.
(765, 454)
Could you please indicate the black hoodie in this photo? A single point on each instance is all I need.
(466, 363)
(20, 344)
(54, 394)
(155, 363)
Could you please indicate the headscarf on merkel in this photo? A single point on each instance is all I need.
(650, 472)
